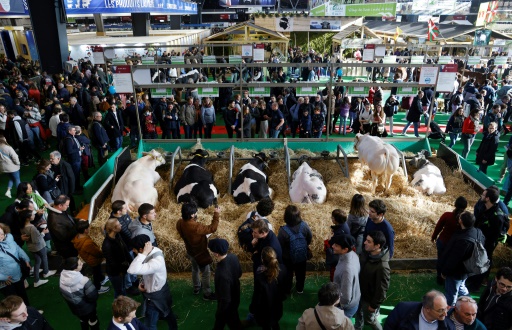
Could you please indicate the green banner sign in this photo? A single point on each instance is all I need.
(306, 91)
(416, 59)
(208, 91)
(118, 61)
(160, 92)
(259, 91)
(407, 91)
(444, 60)
(148, 60)
(235, 59)
(358, 91)
(371, 9)
(318, 11)
(209, 59)
(474, 60)
(500, 60)
(177, 60)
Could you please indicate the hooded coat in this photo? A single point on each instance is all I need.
(78, 292)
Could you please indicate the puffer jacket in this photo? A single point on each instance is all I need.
(9, 161)
(79, 292)
(9, 266)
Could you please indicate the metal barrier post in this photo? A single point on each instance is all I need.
(231, 165)
(345, 159)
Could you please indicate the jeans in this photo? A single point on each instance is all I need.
(390, 118)
(35, 131)
(317, 134)
(76, 166)
(349, 312)
(204, 282)
(453, 138)
(117, 143)
(363, 315)
(188, 131)
(483, 168)
(416, 127)
(352, 115)
(453, 288)
(40, 257)
(467, 142)
(198, 130)
(230, 131)
(118, 285)
(293, 127)
(153, 315)
(343, 123)
(208, 131)
(440, 249)
(274, 133)
(14, 178)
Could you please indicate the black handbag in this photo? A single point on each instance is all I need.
(25, 270)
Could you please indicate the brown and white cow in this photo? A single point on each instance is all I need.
(381, 158)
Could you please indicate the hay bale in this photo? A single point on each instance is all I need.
(412, 214)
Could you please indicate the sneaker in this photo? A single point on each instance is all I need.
(50, 273)
(104, 289)
(210, 297)
(105, 280)
(40, 311)
(32, 271)
(197, 290)
(300, 292)
(39, 283)
(25, 283)
(8, 193)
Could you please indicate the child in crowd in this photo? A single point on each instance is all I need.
(356, 221)
(317, 123)
(36, 245)
(339, 227)
(305, 125)
(79, 293)
(91, 253)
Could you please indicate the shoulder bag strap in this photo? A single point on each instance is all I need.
(318, 320)
(10, 255)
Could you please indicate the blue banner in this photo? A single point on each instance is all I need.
(83, 7)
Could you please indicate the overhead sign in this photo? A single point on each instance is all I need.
(444, 60)
(417, 59)
(122, 78)
(407, 91)
(157, 93)
(358, 91)
(474, 60)
(306, 91)
(247, 3)
(428, 75)
(482, 37)
(208, 91)
(335, 8)
(84, 7)
(433, 7)
(259, 91)
(447, 77)
(369, 53)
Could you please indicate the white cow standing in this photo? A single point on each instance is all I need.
(428, 177)
(381, 158)
(137, 185)
(307, 186)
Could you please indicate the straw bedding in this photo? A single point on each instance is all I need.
(412, 214)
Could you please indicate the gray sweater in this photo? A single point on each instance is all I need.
(346, 276)
(36, 242)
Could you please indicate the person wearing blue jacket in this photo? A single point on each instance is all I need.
(305, 125)
(208, 117)
(11, 279)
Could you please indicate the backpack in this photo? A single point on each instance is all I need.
(478, 263)
(456, 99)
(298, 245)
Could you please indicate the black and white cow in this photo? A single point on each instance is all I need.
(251, 183)
(307, 186)
(196, 183)
(428, 177)
(183, 79)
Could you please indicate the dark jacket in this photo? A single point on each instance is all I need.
(267, 298)
(70, 149)
(67, 178)
(270, 240)
(98, 135)
(374, 277)
(135, 323)
(227, 289)
(487, 148)
(416, 110)
(63, 230)
(11, 219)
(77, 116)
(35, 321)
(477, 325)
(194, 234)
(117, 255)
(125, 233)
(406, 316)
(114, 127)
(495, 311)
(459, 249)
(490, 223)
(132, 111)
(284, 239)
(45, 182)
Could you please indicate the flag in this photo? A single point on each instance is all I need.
(433, 31)
(491, 11)
(397, 33)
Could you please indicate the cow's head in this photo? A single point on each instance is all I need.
(157, 156)
(260, 160)
(357, 140)
(199, 156)
(419, 160)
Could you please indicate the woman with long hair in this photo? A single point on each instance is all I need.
(269, 291)
(9, 164)
(198, 124)
(344, 112)
(295, 258)
(486, 152)
(454, 125)
(45, 182)
(446, 226)
(378, 121)
(356, 220)
(208, 117)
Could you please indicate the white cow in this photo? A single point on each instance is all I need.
(137, 185)
(381, 158)
(428, 177)
(307, 186)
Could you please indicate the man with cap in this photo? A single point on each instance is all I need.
(150, 263)
(346, 274)
(227, 285)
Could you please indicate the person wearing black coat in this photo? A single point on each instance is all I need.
(459, 249)
(486, 152)
(76, 113)
(99, 137)
(13, 311)
(495, 304)
(117, 256)
(414, 114)
(64, 172)
(265, 237)
(72, 150)
(114, 126)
